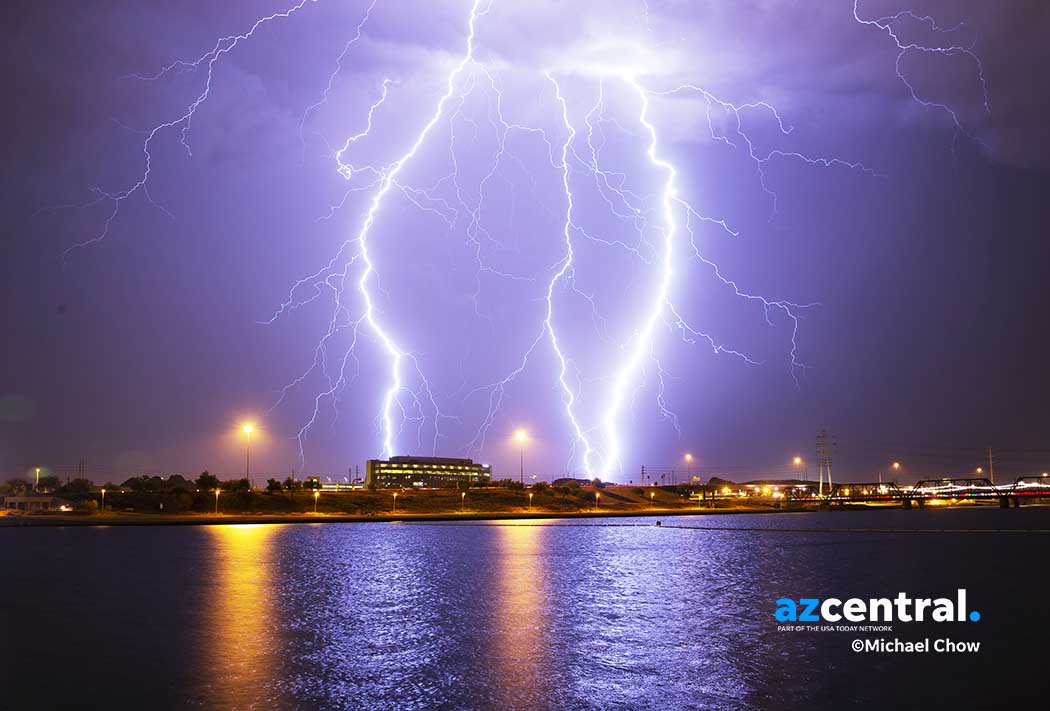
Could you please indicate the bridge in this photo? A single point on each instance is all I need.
(931, 490)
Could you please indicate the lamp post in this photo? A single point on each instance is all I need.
(216, 501)
(462, 502)
(652, 499)
(395, 502)
(37, 485)
(688, 466)
(248, 427)
(317, 495)
(103, 500)
(597, 495)
(530, 501)
(521, 437)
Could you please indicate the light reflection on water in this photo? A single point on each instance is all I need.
(240, 612)
(559, 615)
(518, 653)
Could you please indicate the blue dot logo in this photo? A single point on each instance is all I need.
(975, 616)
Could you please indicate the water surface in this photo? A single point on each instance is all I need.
(592, 614)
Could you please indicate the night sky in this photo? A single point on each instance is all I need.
(142, 352)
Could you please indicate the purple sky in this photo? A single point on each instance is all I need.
(143, 350)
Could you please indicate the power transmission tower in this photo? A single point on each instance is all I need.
(824, 456)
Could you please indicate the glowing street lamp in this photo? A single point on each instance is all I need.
(395, 502)
(216, 501)
(103, 499)
(521, 437)
(652, 499)
(317, 495)
(530, 501)
(688, 466)
(247, 429)
(463, 502)
(37, 485)
(597, 495)
(980, 470)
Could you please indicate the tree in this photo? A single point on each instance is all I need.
(508, 484)
(49, 483)
(236, 485)
(16, 486)
(207, 482)
(273, 486)
(78, 486)
(596, 483)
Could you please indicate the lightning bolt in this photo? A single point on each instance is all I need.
(335, 72)
(643, 337)
(889, 24)
(182, 122)
(394, 351)
(662, 226)
(566, 266)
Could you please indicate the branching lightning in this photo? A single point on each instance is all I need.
(183, 123)
(351, 279)
(891, 25)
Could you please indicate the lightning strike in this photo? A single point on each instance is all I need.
(596, 440)
(183, 122)
(643, 338)
(394, 351)
(889, 25)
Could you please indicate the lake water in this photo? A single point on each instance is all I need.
(588, 614)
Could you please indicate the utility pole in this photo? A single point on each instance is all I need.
(991, 467)
(643, 475)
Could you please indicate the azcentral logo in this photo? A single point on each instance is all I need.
(902, 608)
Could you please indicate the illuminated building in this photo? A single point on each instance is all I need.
(424, 472)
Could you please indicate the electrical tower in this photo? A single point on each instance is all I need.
(824, 457)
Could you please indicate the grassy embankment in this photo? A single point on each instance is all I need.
(488, 502)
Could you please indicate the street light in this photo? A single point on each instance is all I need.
(980, 470)
(247, 429)
(37, 485)
(521, 437)
(103, 500)
(530, 500)
(652, 499)
(597, 495)
(317, 495)
(688, 466)
(395, 502)
(216, 501)
(463, 502)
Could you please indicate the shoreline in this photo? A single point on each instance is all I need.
(132, 519)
